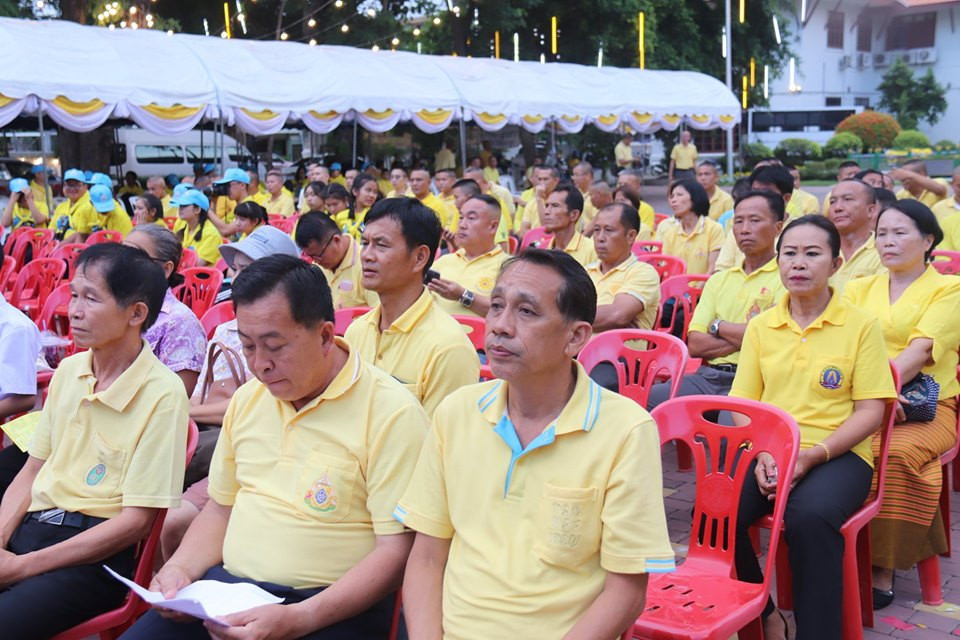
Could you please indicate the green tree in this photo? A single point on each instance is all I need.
(910, 99)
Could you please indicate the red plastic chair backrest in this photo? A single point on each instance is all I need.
(637, 368)
(286, 225)
(188, 260)
(40, 239)
(645, 247)
(722, 456)
(513, 244)
(104, 235)
(5, 270)
(170, 222)
(199, 289)
(476, 330)
(658, 218)
(14, 235)
(216, 316)
(946, 262)
(666, 266)
(58, 300)
(274, 218)
(538, 236)
(37, 280)
(221, 266)
(69, 254)
(686, 290)
(343, 317)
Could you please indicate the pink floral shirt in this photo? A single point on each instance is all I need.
(177, 338)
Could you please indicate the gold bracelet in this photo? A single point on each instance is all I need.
(826, 449)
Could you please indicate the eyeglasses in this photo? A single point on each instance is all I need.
(317, 257)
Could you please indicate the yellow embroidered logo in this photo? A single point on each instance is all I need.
(321, 497)
(566, 521)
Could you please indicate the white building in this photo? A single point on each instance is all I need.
(843, 48)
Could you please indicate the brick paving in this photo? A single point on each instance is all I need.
(907, 610)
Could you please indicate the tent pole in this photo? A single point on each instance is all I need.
(728, 71)
(553, 140)
(223, 145)
(354, 158)
(43, 162)
(463, 142)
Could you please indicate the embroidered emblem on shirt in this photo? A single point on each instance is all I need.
(346, 285)
(831, 378)
(485, 284)
(320, 497)
(96, 474)
(565, 523)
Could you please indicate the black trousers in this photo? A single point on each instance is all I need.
(45, 605)
(817, 508)
(706, 381)
(11, 462)
(372, 624)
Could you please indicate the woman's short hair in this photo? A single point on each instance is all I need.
(699, 200)
(924, 219)
(251, 211)
(166, 246)
(629, 194)
(817, 220)
(152, 203)
(130, 274)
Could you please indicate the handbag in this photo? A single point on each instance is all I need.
(222, 389)
(922, 393)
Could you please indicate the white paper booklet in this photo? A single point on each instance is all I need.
(206, 599)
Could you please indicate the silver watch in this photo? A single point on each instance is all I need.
(714, 328)
(466, 298)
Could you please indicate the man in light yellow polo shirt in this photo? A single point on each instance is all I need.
(107, 455)
(493, 189)
(732, 297)
(400, 181)
(535, 541)
(582, 176)
(683, 158)
(853, 210)
(110, 214)
(278, 200)
(158, 187)
(467, 275)
(949, 206)
(463, 190)
(444, 179)
(561, 214)
(420, 187)
(408, 335)
(801, 202)
(918, 185)
(633, 178)
(846, 170)
(316, 450)
(545, 180)
(73, 219)
(338, 254)
(622, 153)
(720, 200)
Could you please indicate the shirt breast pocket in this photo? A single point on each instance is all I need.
(101, 476)
(325, 488)
(568, 525)
(831, 376)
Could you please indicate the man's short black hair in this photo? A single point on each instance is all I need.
(776, 175)
(577, 298)
(869, 191)
(846, 164)
(303, 285)
(314, 226)
(452, 172)
(573, 199)
(418, 223)
(774, 202)
(867, 172)
(130, 275)
(489, 201)
(629, 216)
(553, 170)
(884, 198)
(471, 187)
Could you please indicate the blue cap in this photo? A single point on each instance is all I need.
(102, 198)
(74, 174)
(87, 176)
(192, 196)
(234, 174)
(100, 178)
(336, 166)
(181, 189)
(18, 184)
(37, 168)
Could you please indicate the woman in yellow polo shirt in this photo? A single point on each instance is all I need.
(822, 360)
(691, 235)
(365, 193)
(313, 197)
(917, 308)
(336, 199)
(194, 230)
(148, 209)
(249, 217)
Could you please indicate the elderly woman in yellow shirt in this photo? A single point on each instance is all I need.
(822, 360)
(691, 235)
(917, 308)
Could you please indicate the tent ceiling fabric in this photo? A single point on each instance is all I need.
(168, 84)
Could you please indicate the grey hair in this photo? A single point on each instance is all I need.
(167, 246)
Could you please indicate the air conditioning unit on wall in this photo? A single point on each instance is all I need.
(882, 59)
(925, 56)
(845, 62)
(864, 60)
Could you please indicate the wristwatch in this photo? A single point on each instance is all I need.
(714, 328)
(466, 298)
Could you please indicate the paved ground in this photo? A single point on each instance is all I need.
(907, 617)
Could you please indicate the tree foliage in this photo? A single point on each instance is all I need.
(910, 99)
(843, 144)
(911, 139)
(877, 130)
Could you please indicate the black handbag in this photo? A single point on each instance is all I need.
(922, 393)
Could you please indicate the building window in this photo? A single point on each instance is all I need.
(835, 30)
(865, 34)
(912, 31)
(862, 102)
(833, 101)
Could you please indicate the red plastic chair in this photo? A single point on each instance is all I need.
(104, 235)
(476, 329)
(221, 266)
(343, 317)
(69, 254)
(513, 245)
(946, 262)
(666, 266)
(658, 218)
(857, 561)
(216, 316)
(644, 247)
(6, 270)
(199, 289)
(35, 282)
(14, 236)
(686, 289)
(170, 222)
(41, 240)
(274, 218)
(287, 225)
(111, 624)
(538, 236)
(54, 317)
(702, 599)
(188, 260)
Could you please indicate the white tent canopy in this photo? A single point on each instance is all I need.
(81, 76)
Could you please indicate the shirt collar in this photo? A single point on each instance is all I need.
(119, 394)
(461, 253)
(869, 245)
(623, 266)
(835, 314)
(409, 318)
(579, 414)
(572, 246)
(349, 259)
(701, 222)
(343, 381)
(769, 266)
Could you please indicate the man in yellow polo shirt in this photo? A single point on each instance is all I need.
(545, 180)
(582, 176)
(420, 187)
(555, 528)
(316, 451)
(40, 186)
(801, 202)
(494, 189)
(917, 185)
(277, 200)
(683, 158)
(720, 200)
(846, 170)
(229, 191)
(732, 297)
(408, 335)
(633, 178)
(463, 190)
(853, 210)
(467, 275)
(157, 186)
(399, 180)
(106, 458)
(444, 179)
(110, 213)
(622, 153)
(338, 254)
(73, 220)
(561, 214)
(949, 206)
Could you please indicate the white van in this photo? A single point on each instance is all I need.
(149, 154)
